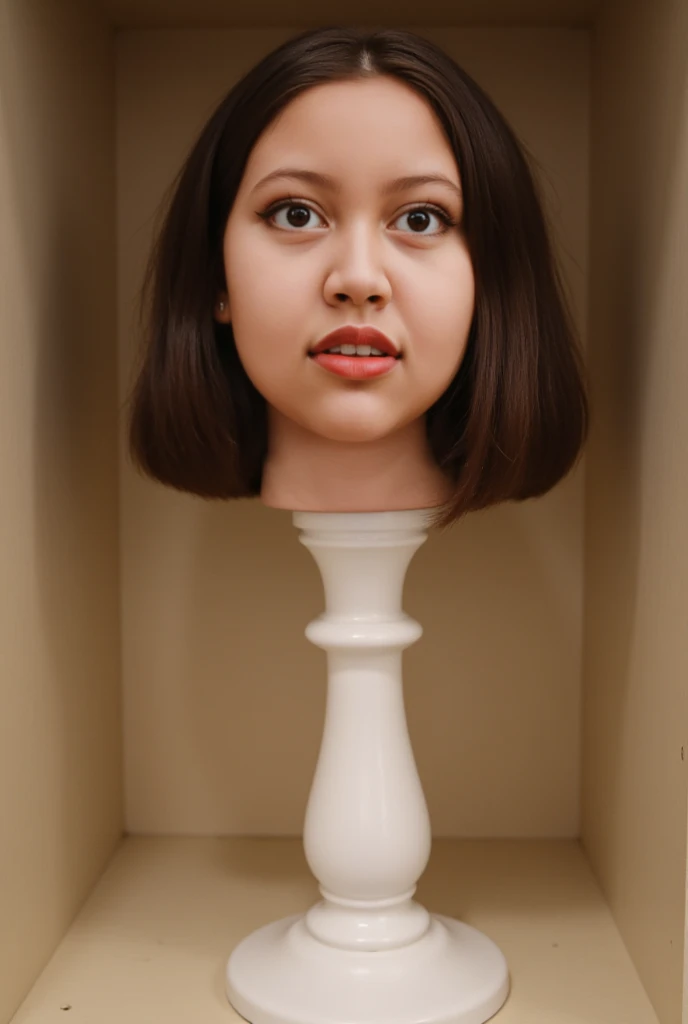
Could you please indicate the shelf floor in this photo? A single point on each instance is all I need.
(152, 941)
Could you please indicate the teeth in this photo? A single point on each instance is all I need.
(356, 350)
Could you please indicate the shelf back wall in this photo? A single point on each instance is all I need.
(224, 697)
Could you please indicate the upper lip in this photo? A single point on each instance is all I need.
(351, 334)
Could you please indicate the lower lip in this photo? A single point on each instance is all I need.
(355, 367)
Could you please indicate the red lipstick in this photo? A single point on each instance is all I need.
(356, 367)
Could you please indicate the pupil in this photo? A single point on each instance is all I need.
(301, 212)
(419, 213)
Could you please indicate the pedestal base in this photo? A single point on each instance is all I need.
(280, 974)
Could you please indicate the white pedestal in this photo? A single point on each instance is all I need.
(367, 953)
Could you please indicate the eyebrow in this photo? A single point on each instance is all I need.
(328, 182)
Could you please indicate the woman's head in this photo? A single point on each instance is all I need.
(474, 304)
(303, 258)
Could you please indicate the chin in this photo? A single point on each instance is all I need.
(354, 431)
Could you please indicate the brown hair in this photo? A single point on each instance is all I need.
(515, 417)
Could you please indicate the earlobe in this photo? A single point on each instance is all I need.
(222, 310)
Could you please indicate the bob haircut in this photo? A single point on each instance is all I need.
(515, 417)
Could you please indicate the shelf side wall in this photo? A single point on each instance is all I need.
(60, 756)
(635, 763)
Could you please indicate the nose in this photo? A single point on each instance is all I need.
(357, 273)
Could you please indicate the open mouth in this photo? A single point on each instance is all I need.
(356, 352)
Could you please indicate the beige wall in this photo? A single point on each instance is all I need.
(636, 668)
(60, 801)
(224, 697)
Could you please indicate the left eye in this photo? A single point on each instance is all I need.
(425, 212)
(297, 211)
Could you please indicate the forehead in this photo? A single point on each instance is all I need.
(354, 128)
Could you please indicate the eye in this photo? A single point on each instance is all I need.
(421, 215)
(300, 215)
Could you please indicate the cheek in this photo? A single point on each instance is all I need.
(260, 301)
(446, 322)
(266, 300)
(440, 344)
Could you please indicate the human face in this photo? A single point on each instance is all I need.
(349, 254)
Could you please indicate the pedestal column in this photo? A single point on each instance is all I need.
(367, 952)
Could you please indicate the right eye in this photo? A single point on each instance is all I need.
(298, 215)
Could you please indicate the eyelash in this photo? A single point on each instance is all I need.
(439, 211)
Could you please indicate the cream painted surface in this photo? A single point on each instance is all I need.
(152, 942)
(60, 757)
(636, 670)
(223, 696)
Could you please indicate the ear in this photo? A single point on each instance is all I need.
(223, 312)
